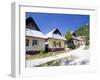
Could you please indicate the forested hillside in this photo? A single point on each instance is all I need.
(83, 30)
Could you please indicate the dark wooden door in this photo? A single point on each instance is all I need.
(46, 48)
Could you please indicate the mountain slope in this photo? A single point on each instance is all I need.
(83, 31)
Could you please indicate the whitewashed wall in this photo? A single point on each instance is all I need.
(40, 44)
(51, 44)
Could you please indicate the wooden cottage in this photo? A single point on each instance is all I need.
(35, 39)
(78, 40)
(55, 41)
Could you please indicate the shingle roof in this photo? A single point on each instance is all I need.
(34, 33)
(77, 38)
(32, 24)
(55, 36)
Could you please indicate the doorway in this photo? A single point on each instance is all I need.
(46, 48)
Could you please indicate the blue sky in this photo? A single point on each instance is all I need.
(64, 22)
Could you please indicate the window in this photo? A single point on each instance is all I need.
(59, 44)
(27, 42)
(54, 43)
(34, 42)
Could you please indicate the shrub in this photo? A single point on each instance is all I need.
(87, 43)
(71, 46)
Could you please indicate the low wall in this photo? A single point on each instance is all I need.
(49, 50)
(55, 49)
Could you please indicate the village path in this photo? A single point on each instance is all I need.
(80, 53)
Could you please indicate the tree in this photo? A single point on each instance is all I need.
(84, 31)
(68, 36)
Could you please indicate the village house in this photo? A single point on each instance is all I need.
(35, 39)
(55, 41)
(78, 40)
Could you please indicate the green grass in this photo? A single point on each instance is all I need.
(40, 55)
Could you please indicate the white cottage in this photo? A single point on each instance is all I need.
(78, 40)
(35, 39)
(55, 41)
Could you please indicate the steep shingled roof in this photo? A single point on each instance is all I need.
(55, 34)
(34, 33)
(31, 24)
(32, 29)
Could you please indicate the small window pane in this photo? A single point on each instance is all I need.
(59, 44)
(27, 42)
(34, 42)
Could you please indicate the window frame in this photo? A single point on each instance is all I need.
(34, 42)
(27, 42)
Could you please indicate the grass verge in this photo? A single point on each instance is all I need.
(40, 55)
